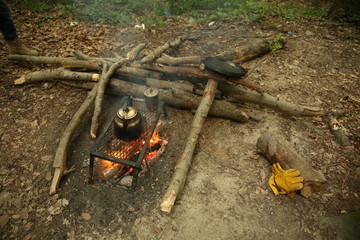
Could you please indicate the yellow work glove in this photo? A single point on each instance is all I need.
(285, 182)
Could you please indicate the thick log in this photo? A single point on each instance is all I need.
(166, 59)
(276, 149)
(134, 53)
(105, 76)
(151, 82)
(249, 51)
(159, 50)
(181, 99)
(240, 94)
(62, 150)
(192, 71)
(182, 166)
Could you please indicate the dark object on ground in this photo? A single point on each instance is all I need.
(224, 67)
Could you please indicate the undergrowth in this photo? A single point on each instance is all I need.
(153, 11)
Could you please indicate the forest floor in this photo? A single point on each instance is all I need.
(226, 195)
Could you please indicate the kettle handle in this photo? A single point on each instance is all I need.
(127, 103)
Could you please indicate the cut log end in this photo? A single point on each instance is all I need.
(56, 181)
(93, 135)
(95, 77)
(168, 203)
(21, 80)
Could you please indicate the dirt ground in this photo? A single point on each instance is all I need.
(226, 195)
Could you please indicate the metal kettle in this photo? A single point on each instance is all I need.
(127, 122)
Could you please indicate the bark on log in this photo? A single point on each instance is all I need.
(62, 150)
(82, 56)
(276, 149)
(92, 65)
(182, 166)
(238, 93)
(58, 73)
(205, 74)
(151, 82)
(166, 59)
(134, 53)
(105, 76)
(181, 99)
(247, 52)
(158, 51)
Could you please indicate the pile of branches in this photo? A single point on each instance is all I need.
(180, 82)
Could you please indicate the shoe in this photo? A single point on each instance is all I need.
(17, 47)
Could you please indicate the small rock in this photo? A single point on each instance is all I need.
(343, 212)
(126, 181)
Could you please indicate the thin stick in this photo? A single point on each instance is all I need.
(177, 181)
(105, 76)
(256, 65)
(61, 152)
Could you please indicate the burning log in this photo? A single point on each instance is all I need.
(62, 150)
(105, 76)
(276, 149)
(158, 51)
(134, 53)
(182, 166)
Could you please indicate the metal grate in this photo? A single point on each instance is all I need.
(127, 150)
(129, 153)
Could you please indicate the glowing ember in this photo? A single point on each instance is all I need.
(108, 169)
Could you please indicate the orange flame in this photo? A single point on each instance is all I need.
(105, 166)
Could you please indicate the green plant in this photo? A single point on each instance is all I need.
(277, 43)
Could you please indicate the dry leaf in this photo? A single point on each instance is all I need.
(27, 237)
(86, 216)
(4, 219)
(46, 158)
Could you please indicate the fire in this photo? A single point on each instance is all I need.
(107, 169)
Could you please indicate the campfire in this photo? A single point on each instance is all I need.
(118, 154)
(213, 85)
(108, 170)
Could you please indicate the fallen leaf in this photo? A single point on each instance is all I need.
(46, 158)
(27, 237)
(4, 219)
(86, 216)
